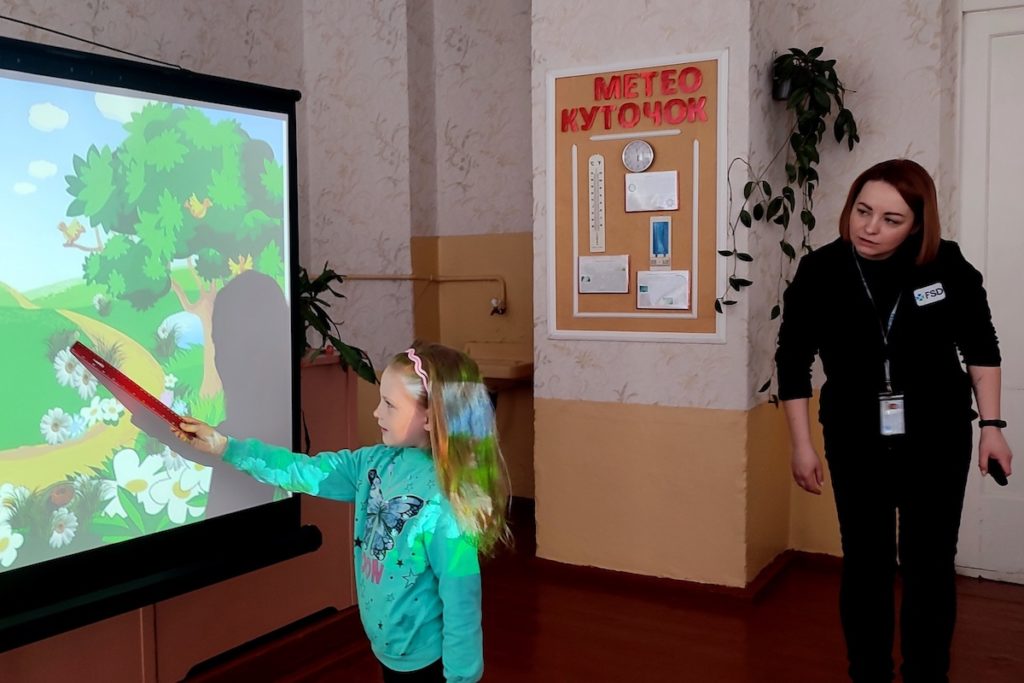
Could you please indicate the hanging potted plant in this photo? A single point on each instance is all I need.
(313, 309)
(812, 91)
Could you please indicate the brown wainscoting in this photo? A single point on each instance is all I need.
(327, 641)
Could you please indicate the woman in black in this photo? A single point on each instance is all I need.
(891, 308)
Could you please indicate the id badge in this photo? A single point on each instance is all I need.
(891, 411)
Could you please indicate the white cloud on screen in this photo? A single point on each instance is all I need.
(47, 117)
(24, 188)
(41, 168)
(118, 107)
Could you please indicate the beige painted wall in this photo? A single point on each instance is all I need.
(780, 514)
(813, 525)
(768, 487)
(688, 493)
(652, 490)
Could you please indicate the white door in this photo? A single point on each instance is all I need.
(992, 236)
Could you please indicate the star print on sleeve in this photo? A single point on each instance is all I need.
(358, 543)
(380, 625)
(410, 578)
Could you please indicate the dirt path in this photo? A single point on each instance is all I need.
(43, 464)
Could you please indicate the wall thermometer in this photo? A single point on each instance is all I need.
(596, 188)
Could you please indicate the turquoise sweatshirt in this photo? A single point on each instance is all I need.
(417, 574)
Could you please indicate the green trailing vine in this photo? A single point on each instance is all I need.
(814, 94)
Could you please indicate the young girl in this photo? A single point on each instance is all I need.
(427, 500)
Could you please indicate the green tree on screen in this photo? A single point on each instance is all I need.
(180, 188)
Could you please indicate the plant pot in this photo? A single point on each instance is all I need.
(781, 88)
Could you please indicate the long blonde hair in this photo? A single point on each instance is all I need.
(463, 437)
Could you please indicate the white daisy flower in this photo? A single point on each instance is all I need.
(55, 426)
(172, 461)
(92, 413)
(84, 381)
(170, 381)
(137, 477)
(11, 496)
(108, 492)
(65, 366)
(63, 524)
(10, 541)
(179, 489)
(111, 410)
(180, 407)
(202, 474)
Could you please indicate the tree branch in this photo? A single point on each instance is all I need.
(182, 297)
(195, 275)
(72, 245)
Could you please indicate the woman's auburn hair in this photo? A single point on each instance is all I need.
(470, 468)
(917, 189)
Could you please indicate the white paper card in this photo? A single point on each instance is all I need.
(604, 274)
(652, 191)
(663, 289)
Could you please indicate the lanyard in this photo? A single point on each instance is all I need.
(885, 329)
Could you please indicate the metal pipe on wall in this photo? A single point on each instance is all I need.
(499, 305)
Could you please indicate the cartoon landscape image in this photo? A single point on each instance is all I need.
(123, 219)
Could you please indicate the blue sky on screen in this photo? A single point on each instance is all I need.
(42, 126)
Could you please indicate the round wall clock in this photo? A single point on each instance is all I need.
(637, 156)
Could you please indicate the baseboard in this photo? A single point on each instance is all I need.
(626, 582)
(817, 560)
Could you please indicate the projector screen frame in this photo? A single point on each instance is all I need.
(113, 579)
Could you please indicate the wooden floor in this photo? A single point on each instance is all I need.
(543, 623)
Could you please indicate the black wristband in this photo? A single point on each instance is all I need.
(992, 423)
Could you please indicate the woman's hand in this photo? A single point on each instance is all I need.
(807, 470)
(201, 436)
(992, 445)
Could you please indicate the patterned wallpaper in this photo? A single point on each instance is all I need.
(483, 162)
(243, 39)
(356, 121)
(771, 32)
(899, 61)
(469, 83)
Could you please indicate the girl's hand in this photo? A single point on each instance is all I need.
(807, 470)
(201, 436)
(992, 444)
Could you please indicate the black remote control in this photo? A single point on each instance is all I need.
(995, 470)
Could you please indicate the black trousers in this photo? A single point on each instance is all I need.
(431, 674)
(899, 502)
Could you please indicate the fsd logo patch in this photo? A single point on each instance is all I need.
(929, 294)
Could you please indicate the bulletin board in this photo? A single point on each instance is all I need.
(637, 200)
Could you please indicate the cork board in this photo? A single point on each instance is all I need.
(678, 108)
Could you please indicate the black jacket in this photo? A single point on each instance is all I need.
(827, 312)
